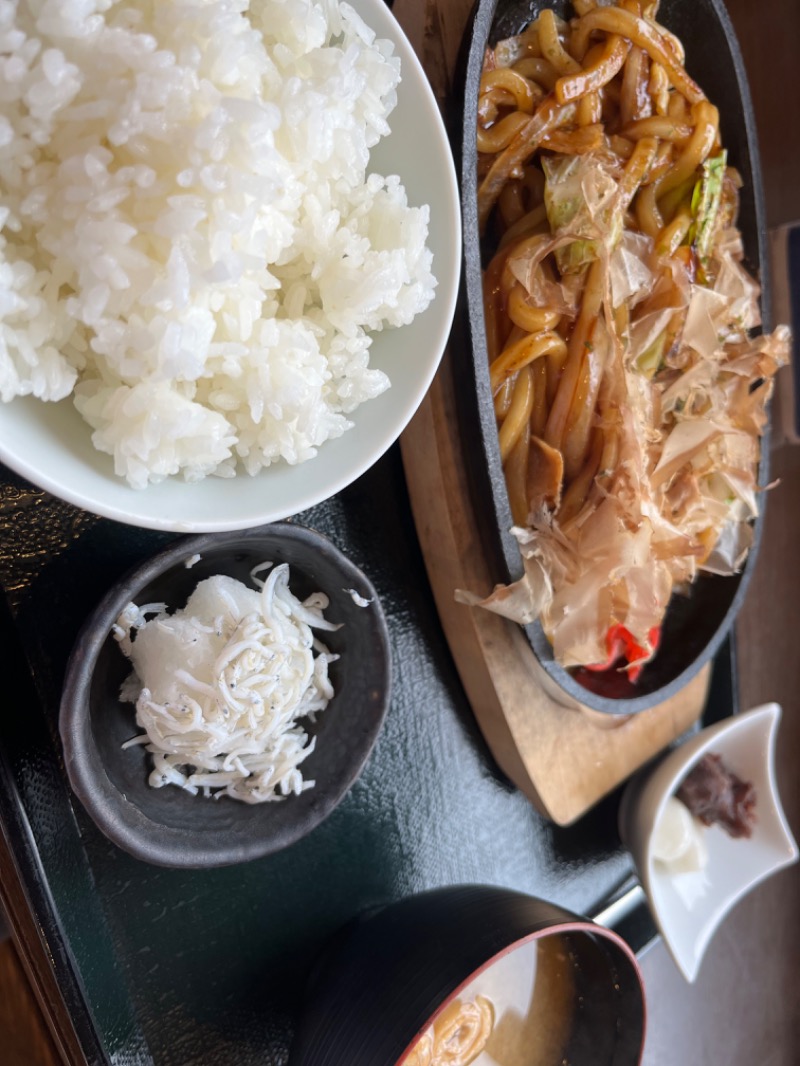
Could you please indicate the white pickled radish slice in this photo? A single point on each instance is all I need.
(678, 839)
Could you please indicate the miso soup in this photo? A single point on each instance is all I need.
(519, 1011)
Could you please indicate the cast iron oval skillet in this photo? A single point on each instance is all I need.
(696, 624)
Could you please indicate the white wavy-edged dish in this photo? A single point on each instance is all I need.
(689, 907)
(50, 445)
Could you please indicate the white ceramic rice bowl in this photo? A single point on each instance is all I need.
(50, 445)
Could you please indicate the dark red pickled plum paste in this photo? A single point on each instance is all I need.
(717, 796)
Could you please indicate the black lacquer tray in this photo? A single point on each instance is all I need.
(207, 968)
(697, 624)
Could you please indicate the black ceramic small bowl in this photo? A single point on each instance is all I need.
(391, 975)
(169, 826)
(696, 624)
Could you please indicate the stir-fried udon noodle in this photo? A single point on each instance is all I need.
(628, 384)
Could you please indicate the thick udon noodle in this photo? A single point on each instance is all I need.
(607, 95)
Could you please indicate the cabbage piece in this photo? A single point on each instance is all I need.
(579, 195)
(705, 205)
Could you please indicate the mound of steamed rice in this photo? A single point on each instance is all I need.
(190, 244)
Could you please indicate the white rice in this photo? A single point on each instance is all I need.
(189, 241)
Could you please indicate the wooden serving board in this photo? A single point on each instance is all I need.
(563, 759)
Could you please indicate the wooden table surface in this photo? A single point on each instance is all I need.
(744, 1009)
(24, 1037)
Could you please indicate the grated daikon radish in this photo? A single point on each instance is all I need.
(221, 686)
